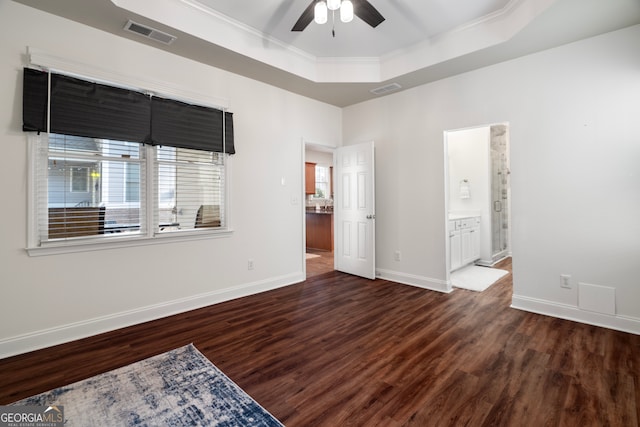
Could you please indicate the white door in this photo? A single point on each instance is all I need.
(354, 210)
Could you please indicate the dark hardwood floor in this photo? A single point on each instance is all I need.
(338, 350)
(321, 263)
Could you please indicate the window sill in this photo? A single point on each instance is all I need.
(54, 248)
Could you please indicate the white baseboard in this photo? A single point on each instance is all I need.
(415, 280)
(571, 312)
(74, 331)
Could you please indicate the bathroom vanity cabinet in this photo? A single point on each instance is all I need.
(464, 241)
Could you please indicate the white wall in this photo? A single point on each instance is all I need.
(575, 160)
(468, 152)
(55, 298)
(321, 158)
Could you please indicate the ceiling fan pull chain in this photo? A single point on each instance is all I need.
(333, 23)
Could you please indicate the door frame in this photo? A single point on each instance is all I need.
(447, 189)
(319, 147)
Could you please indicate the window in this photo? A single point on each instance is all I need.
(189, 189)
(132, 183)
(189, 195)
(110, 166)
(322, 182)
(80, 180)
(113, 164)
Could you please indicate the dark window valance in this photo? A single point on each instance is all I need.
(178, 124)
(82, 108)
(35, 96)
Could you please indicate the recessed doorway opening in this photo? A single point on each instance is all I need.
(478, 194)
(318, 204)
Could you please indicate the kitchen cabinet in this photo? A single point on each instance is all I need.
(310, 178)
(319, 230)
(464, 241)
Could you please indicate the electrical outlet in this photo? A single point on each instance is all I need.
(250, 264)
(565, 281)
(396, 255)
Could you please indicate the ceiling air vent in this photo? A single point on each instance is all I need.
(149, 32)
(386, 89)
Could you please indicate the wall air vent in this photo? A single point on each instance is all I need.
(150, 33)
(383, 90)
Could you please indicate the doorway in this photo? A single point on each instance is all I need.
(352, 231)
(477, 187)
(318, 204)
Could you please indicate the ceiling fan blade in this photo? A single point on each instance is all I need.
(365, 11)
(305, 19)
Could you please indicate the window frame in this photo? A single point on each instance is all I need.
(325, 183)
(73, 180)
(151, 237)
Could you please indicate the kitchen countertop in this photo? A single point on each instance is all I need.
(313, 211)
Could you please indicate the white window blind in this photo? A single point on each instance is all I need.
(90, 188)
(84, 187)
(190, 189)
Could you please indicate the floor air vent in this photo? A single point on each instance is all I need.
(149, 32)
(386, 89)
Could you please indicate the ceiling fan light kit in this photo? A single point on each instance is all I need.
(346, 11)
(333, 4)
(318, 11)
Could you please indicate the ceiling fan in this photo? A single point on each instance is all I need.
(361, 8)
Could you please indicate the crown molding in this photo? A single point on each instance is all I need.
(194, 18)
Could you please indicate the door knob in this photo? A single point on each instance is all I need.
(371, 216)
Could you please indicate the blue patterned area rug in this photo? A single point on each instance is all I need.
(178, 388)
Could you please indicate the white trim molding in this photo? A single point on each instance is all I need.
(195, 18)
(100, 74)
(571, 312)
(70, 332)
(414, 280)
(116, 242)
